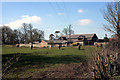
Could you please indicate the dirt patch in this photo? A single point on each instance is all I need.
(73, 70)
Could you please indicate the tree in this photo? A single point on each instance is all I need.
(112, 16)
(7, 35)
(71, 31)
(41, 34)
(25, 34)
(24, 29)
(37, 35)
(51, 37)
(10, 36)
(20, 36)
(30, 32)
(15, 36)
(106, 38)
(107, 60)
(57, 33)
(66, 31)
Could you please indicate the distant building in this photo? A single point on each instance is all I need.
(64, 40)
(84, 39)
(56, 43)
(41, 44)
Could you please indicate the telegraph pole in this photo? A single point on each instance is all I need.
(69, 34)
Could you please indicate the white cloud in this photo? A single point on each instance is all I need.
(60, 13)
(84, 22)
(25, 16)
(25, 19)
(80, 11)
(1, 25)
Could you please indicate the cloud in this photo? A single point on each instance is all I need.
(25, 16)
(60, 13)
(1, 25)
(80, 11)
(84, 22)
(25, 19)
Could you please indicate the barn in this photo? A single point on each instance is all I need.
(84, 39)
(41, 44)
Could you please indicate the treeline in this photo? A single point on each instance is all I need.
(57, 34)
(26, 34)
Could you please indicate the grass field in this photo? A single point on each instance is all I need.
(38, 60)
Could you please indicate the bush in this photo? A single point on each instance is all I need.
(107, 61)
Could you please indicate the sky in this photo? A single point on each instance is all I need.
(85, 17)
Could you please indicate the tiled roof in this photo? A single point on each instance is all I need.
(79, 35)
(55, 41)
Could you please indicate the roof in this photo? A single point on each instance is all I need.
(88, 36)
(55, 41)
(78, 35)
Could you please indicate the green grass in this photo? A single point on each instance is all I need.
(42, 59)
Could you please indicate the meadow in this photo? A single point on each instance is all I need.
(38, 60)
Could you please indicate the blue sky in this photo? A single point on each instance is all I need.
(85, 17)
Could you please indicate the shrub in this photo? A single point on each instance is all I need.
(107, 61)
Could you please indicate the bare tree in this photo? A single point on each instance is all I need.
(37, 35)
(112, 16)
(15, 36)
(41, 34)
(25, 32)
(30, 32)
(66, 31)
(107, 60)
(20, 36)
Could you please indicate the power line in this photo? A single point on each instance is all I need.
(70, 33)
(55, 11)
(59, 8)
(66, 18)
(67, 11)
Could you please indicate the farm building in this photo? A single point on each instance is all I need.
(56, 43)
(84, 39)
(41, 44)
(64, 40)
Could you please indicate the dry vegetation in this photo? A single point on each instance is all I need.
(107, 61)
